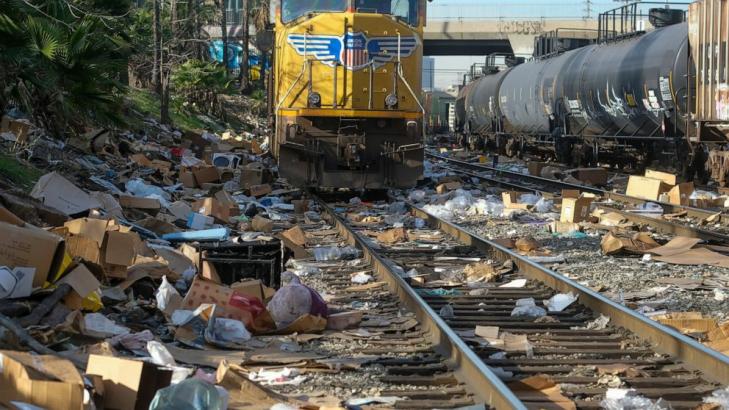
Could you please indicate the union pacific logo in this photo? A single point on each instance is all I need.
(353, 50)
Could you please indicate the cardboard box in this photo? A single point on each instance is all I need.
(670, 179)
(121, 248)
(260, 190)
(128, 384)
(231, 304)
(680, 194)
(535, 168)
(250, 177)
(261, 224)
(59, 193)
(128, 201)
(9, 217)
(447, 187)
(83, 283)
(19, 128)
(252, 287)
(31, 247)
(511, 200)
(564, 227)
(594, 176)
(83, 248)
(206, 175)
(49, 382)
(187, 178)
(646, 188)
(222, 207)
(576, 209)
(227, 206)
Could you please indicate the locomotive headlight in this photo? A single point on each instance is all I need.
(391, 100)
(314, 99)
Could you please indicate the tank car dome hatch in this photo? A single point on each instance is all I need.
(662, 17)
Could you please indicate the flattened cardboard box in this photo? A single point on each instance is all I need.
(128, 384)
(49, 382)
(57, 192)
(31, 247)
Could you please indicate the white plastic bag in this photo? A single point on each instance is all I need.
(527, 308)
(231, 330)
(160, 355)
(165, 294)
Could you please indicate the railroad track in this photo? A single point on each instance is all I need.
(656, 361)
(393, 349)
(530, 183)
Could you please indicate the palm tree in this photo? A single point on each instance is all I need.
(62, 65)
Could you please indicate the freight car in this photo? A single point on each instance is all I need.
(627, 98)
(346, 92)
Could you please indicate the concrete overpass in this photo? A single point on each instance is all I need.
(474, 37)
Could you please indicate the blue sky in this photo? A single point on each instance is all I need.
(449, 70)
(480, 9)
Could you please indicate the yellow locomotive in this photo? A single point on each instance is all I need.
(347, 81)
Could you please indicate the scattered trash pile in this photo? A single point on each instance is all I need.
(546, 228)
(146, 269)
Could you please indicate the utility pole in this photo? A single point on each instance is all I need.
(588, 10)
(244, 20)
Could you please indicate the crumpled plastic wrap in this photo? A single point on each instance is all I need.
(629, 399)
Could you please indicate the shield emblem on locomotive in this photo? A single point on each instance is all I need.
(353, 50)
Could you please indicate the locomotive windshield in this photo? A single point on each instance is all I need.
(293, 9)
(404, 9)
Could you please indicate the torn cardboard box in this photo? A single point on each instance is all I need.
(637, 244)
(49, 382)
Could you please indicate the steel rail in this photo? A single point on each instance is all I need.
(663, 226)
(668, 208)
(665, 340)
(467, 366)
